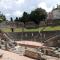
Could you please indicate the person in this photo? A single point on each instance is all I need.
(12, 29)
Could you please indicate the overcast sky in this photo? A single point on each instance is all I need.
(17, 7)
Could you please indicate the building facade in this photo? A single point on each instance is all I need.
(54, 16)
(56, 13)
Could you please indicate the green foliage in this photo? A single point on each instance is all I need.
(25, 17)
(11, 19)
(16, 19)
(38, 15)
(2, 18)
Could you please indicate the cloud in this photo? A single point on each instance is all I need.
(13, 8)
(8, 14)
(17, 13)
(7, 4)
(19, 1)
(44, 6)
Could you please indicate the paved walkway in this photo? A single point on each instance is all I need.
(30, 43)
(50, 57)
(12, 56)
(36, 44)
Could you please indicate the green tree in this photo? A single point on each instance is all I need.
(16, 19)
(25, 17)
(2, 18)
(38, 15)
(11, 19)
(20, 19)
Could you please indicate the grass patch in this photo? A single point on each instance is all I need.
(18, 30)
(52, 28)
(49, 28)
(6, 30)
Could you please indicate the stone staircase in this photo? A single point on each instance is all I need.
(5, 42)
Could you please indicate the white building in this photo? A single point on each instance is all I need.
(56, 13)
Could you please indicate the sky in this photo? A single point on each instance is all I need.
(15, 8)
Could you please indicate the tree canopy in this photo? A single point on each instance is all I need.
(25, 17)
(2, 18)
(16, 19)
(36, 16)
(11, 19)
